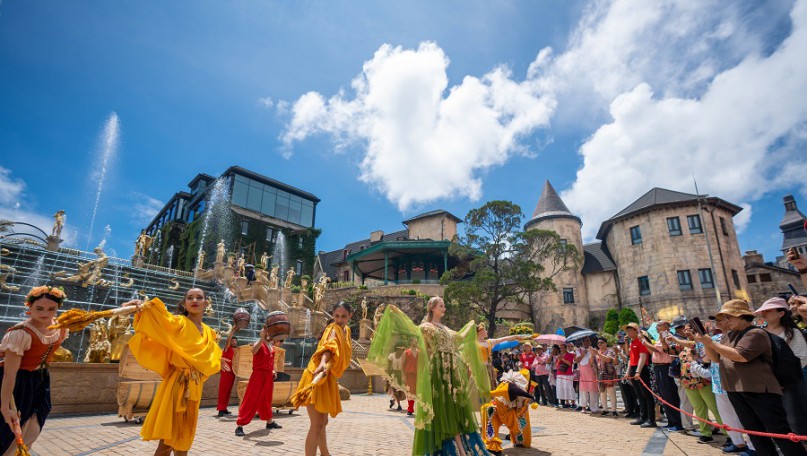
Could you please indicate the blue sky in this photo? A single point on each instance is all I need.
(388, 109)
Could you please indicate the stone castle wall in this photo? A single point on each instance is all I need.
(438, 228)
(660, 256)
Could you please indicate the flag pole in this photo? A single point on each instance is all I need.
(708, 247)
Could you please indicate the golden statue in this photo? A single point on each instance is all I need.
(118, 335)
(174, 284)
(200, 260)
(273, 279)
(100, 348)
(58, 224)
(8, 271)
(364, 308)
(379, 311)
(265, 261)
(289, 278)
(62, 355)
(143, 243)
(239, 266)
(89, 273)
(129, 281)
(220, 251)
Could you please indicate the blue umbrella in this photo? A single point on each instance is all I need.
(505, 345)
(560, 332)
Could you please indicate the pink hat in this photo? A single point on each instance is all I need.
(770, 304)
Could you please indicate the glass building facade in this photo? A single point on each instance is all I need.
(271, 201)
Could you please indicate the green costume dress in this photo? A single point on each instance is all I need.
(443, 403)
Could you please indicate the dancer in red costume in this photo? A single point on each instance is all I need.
(258, 396)
(410, 369)
(227, 378)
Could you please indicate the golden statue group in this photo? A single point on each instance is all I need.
(442, 373)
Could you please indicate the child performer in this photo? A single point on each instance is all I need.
(395, 368)
(332, 357)
(184, 351)
(227, 377)
(28, 348)
(410, 368)
(258, 396)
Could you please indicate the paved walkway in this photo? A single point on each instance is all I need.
(366, 427)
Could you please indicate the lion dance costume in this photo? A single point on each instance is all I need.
(509, 407)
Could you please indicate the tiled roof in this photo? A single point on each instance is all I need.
(550, 206)
(657, 197)
(596, 258)
(433, 213)
(329, 260)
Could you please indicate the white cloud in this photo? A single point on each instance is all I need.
(422, 139)
(266, 102)
(737, 138)
(14, 207)
(10, 189)
(144, 208)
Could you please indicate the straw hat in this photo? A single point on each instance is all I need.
(735, 308)
(632, 325)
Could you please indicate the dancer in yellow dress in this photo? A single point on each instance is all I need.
(184, 351)
(322, 398)
(509, 407)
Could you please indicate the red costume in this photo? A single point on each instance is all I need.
(226, 380)
(410, 369)
(258, 396)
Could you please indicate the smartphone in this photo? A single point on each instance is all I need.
(697, 326)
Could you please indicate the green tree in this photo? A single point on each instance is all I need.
(501, 263)
(611, 321)
(626, 316)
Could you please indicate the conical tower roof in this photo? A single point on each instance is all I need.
(550, 206)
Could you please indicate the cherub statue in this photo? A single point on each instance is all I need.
(58, 224)
(117, 329)
(273, 278)
(364, 308)
(289, 277)
(220, 252)
(265, 260)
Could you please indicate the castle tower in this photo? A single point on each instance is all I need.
(569, 304)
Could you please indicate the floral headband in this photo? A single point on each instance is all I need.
(57, 294)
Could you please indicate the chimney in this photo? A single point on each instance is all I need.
(376, 236)
(790, 203)
(752, 258)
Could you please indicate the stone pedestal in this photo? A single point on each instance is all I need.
(297, 320)
(53, 243)
(364, 330)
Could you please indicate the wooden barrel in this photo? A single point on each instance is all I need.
(242, 361)
(277, 325)
(130, 369)
(241, 318)
(135, 397)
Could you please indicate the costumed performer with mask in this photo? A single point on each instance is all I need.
(445, 422)
(321, 397)
(185, 352)
(509, 406)
(27, 349)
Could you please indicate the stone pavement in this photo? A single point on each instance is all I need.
(366, 427)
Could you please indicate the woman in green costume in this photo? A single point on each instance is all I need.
(445, 423)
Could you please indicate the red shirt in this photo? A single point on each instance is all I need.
(227, 357)
(637, 348)
(527, 360)
(263, 359)
(563, 368)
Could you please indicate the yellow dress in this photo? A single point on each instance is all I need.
(325, 395)
(172, 346)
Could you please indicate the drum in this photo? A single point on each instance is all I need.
(277, 324)
(241, 318)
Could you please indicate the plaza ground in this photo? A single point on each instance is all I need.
(366, 427)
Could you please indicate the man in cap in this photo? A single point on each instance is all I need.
(673, 344)
(666, 384)
(746, 368)
(639, 372)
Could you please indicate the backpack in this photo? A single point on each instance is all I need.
(785, 364)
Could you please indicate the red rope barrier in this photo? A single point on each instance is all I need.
(792, 436)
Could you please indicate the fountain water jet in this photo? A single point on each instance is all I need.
(109, 146)
(217, 207)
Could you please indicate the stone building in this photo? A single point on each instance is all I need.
(669, 253)
(767, 280)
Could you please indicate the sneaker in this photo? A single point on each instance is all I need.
(637, 422)
(239, 431)
(614, 414)
(732, 448)
(674, 428)
(705, 439)
(649, 425)
(399, 407)
(632, 415)
(409, 413)
(224, 413)
(273, 425)
(391, 403)
(748, 452)
(694, 433)
(579, 409)
(604, 413)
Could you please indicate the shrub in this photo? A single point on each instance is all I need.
(362, 287)
(611, 322)
(626, 316)
(306, 277)
(295, 289)
(415, 281)
(413, 292)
